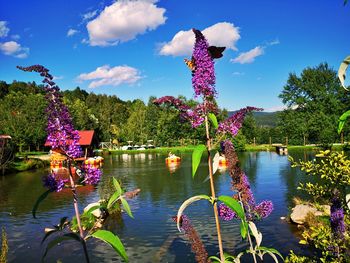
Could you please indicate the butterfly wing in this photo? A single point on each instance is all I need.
(216, 52)
(190, 64)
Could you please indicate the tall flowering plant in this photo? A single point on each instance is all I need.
(242, 204)
(63, 138)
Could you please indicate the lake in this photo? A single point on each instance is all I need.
(152, 235)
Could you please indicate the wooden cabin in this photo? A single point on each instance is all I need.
(88, 141)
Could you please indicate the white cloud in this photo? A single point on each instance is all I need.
(123, 21)
(115, 76)
(221, 34)
(89, 15)
(4, 30)
(249, 56)
(12, 48)
(72, 32)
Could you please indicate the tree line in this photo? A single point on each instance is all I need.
(314, 101)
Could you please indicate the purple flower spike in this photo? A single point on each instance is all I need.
(92, 175)
(337, 218)
(61, 133)
(264, 209)
(226, 213)
(234, 123)
(54, 183)
(203, 79)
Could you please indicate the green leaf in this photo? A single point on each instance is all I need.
(40, 199)
(93, 208)
(196, 157)
(271, 250)
(113, 198)
(216, 162)
(213, 120)
(186, 204)
(215, 258)
(342, 69)
(244, 227)
(256, 233)
(68, 236)
(112, 240)
(342, 120)
(117, 186)
(233, 204)
(126, 207)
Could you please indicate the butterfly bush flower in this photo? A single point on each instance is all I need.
(61, 133)
(54, 183)
(234, 123)
(241, 185)
(196, 244)
(92, 175)
(226, 213)
(203, 80)
(337, 218)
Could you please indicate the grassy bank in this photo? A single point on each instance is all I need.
(165, 150)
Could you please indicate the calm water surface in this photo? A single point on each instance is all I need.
(152, 236)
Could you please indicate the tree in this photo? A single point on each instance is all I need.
(315, 100)
(21, 117)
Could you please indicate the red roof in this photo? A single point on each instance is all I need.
(85, 138)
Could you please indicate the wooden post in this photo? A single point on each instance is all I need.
(304, 140)
(287, 141)
(254, 141)
(270, 141)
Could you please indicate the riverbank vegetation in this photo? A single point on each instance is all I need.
(313, 109)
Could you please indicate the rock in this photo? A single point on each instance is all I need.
(299, 213)
(97, 212)
(132, 194)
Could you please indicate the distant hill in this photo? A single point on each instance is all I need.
(266, 119)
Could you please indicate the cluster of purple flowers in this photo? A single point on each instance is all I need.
(337, 218)
(61, 133)
(92, 175)
(226, 213)
(203, 79)
(196, 244)
(53, 182)
(241, 185)
(234, 123)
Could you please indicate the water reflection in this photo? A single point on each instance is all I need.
(152, 234)
(173, 167)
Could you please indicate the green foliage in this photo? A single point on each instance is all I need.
(4, 246)
(233, 204)
(112, 240)
(333, 170)
(87, 220)
(314, 99)
(196, 157)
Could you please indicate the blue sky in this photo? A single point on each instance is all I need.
(135, 49)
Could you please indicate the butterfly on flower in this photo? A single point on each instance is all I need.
(191, 64)
(215, 52)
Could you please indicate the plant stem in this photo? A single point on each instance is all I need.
(75, 199)
(248, 235)
(222, 257)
